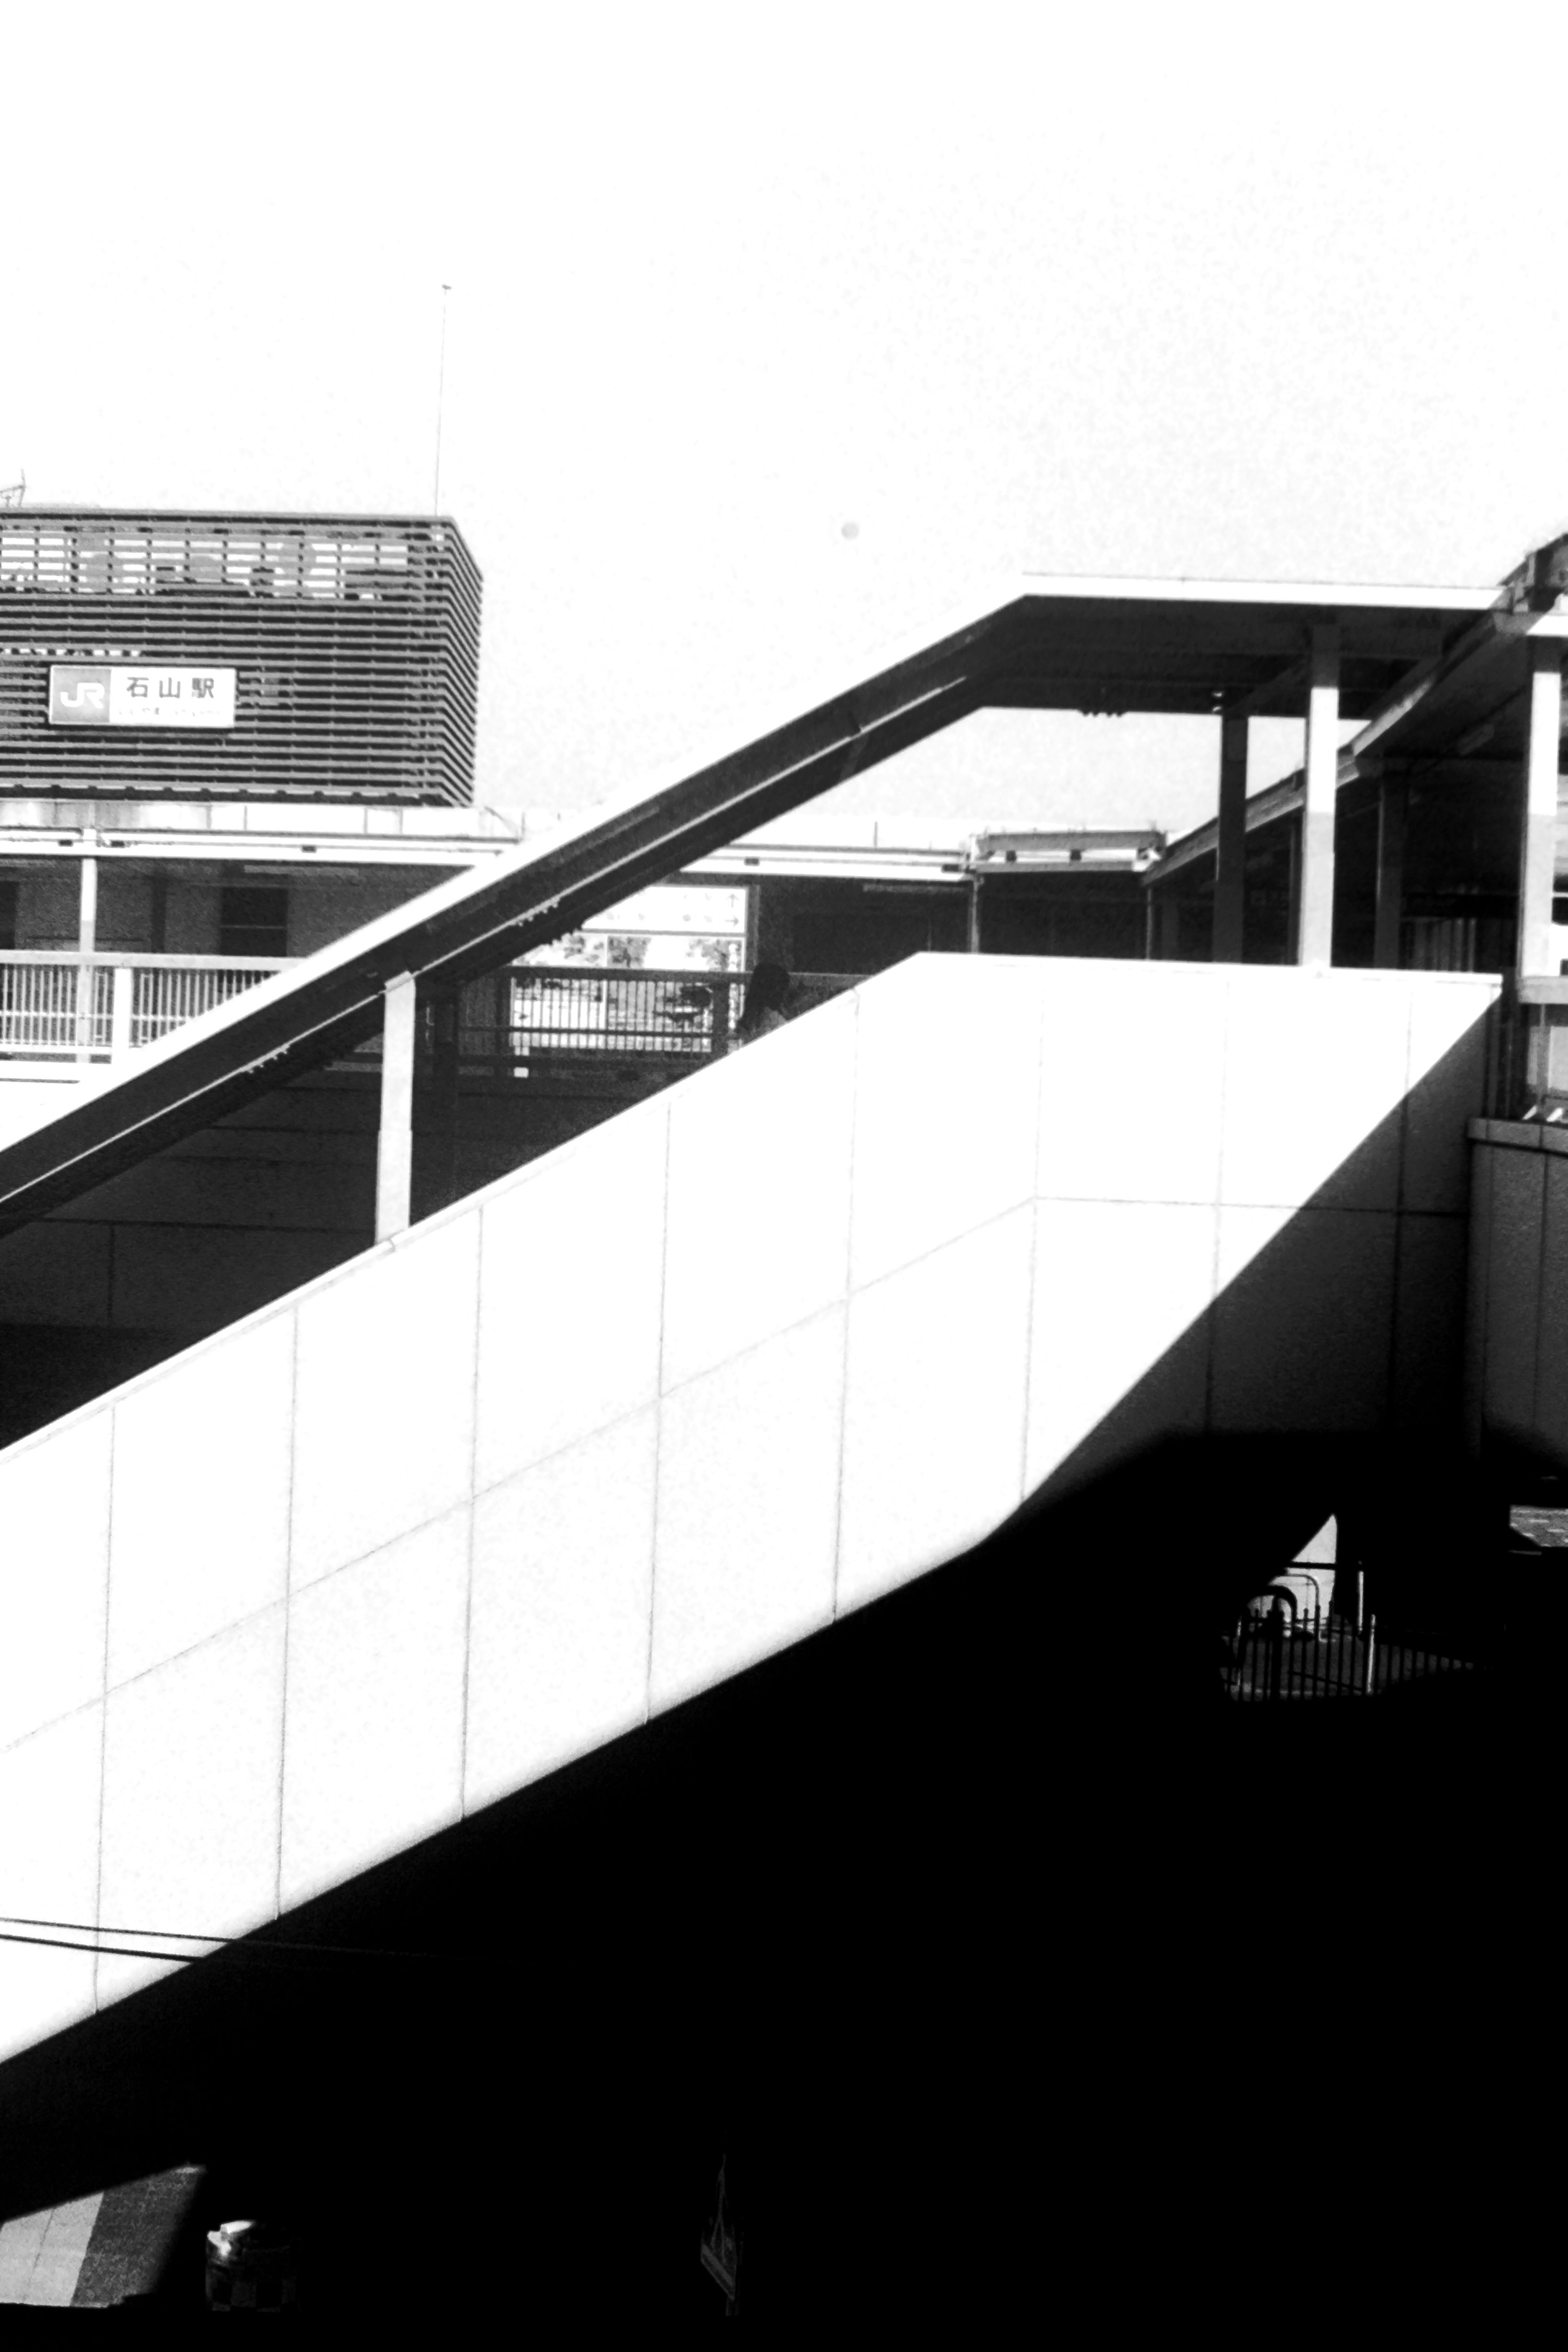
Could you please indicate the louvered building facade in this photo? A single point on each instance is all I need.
(232, 656)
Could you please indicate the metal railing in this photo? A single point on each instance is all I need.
(564, 1010)
(1529, 1074)
(56, 1006)
(1283, 1650)
(166, 996)
(560, 1010)
(45, 1012)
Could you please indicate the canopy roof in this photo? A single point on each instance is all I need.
(1459, 717)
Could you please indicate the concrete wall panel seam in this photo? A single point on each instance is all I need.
(473, 1493)
(288, 1601)
(103, 1695)
(855, 1049)
(657, 1422)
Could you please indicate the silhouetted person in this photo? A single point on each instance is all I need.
(764, 1009)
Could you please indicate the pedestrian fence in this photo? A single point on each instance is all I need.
(58, 1007)
(1283, 1648)
(55, 1006)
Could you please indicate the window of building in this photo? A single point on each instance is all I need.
(7, 914)
(253, 920)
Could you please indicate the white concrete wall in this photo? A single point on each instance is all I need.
(748, 1356)
(1517, 1335)
(29, 1100)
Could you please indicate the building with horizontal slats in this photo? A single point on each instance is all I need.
(237, 656)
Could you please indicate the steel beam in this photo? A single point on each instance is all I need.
(1391, 813)
(1230, 859)
(395, 1138)
(458, 930)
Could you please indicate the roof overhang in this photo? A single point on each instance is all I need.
(1201, 648)
(1456, 717)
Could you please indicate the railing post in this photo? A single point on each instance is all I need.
(394, 1143)
(119, 1003)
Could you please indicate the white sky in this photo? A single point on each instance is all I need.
(1206, 291)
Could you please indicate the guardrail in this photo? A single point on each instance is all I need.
(1279, 1650)
(557, 1010)
(564, 1009)
(55, 1006)
(1529, 1077)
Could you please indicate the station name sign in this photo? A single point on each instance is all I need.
(137, 694)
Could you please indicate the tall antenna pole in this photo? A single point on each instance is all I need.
(440, 398)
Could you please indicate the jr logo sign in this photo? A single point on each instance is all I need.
(79, 697)
(127, 694)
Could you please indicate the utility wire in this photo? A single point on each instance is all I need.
(226, 1945)
(125, 1951)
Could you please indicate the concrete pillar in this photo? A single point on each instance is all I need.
(973, 941)
(1538, 847)
(441, 1147)
(87, 909)
(1292, 885)
(1391, 808)
(394, 1144)
(1230, 856)
(85, 948)
(1165, 927)
(121, 1007)
(1315, 928)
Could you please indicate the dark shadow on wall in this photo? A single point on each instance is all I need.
(47, 1371)
(975, 1929)
(1001, 1957)
(1344, 1336)
(271, 1196)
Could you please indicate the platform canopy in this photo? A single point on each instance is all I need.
(1462, 716)
(1206, 648)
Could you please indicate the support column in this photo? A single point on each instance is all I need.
(1230, 856)
(121, 1009)
(1391, 808)
(1315, 929)
(1538, 847)
(973, 939)
(85, 948)
(394, 1144)
(442, 1140)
